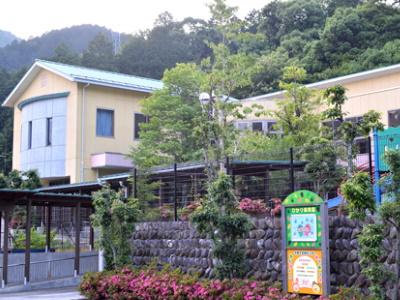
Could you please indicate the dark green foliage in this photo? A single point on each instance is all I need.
(63, 54)
(322, 165)
(371, 250)
(115, 218)
(6, 38)
(100, 54)
(225, 224)
(25, 180)
(22, 53)
(359, 196)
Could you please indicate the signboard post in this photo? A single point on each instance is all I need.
(305, 244)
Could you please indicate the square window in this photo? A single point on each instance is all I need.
(105, 123)
(257, 126)
(394, 118)
(139, 119)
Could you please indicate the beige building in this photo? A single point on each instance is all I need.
(74, 124)
(377, 89)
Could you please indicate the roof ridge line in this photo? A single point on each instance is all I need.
(94, 69)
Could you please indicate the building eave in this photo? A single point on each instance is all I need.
(332, 82)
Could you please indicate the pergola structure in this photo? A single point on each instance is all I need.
(9, 198)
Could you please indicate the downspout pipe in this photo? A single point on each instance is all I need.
(83, 128)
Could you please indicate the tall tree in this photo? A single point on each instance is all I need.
(100, 54)
(64, 54)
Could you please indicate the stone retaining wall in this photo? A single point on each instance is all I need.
(178, 244)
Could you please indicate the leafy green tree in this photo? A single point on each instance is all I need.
(173, 111)
(358, 193)
(64, 54)
(348, 131)
(371, 249)
(169, 42)
(295, 114)
(100, 54)
(322, 166)
(115, 218)
(221, 220)
(390, 210)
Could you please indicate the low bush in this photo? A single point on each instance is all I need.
(253, 207)
(172, 284)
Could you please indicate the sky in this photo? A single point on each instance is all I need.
(30, 18)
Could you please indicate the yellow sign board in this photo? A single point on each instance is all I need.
(304, 271)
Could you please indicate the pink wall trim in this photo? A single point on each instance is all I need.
(110, 160)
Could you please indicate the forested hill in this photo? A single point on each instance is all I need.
(21, 53)
(328, 38)
(6, 38)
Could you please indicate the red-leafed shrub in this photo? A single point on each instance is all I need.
(253, 207)
(148, 284)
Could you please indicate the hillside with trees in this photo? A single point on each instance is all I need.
(326, 38)
(6, 38)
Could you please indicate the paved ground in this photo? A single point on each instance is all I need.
(48, 294)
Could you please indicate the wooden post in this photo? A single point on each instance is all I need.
(5, 249)
(77, 238)
(266, 188)
(28, 242)
(91, 233)
(48, 229)
(175, 194)
(134, 183)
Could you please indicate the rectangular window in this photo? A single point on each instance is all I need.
(139, 119)
(105, 123)
(271, 127)
(257, 126)
(394, 118)
(49, 131)
(30, 135)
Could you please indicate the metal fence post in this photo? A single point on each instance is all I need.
(291, 171)
(370, 169)
(175, 194)
(27, 269)
(377, 189)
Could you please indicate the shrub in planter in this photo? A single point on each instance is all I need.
(253, 207)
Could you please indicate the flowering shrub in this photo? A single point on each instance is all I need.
(185, 212)
(172, 284)
(253, 206)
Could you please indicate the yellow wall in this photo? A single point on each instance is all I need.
(46, 83)
(380, 93)
(124, 104)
